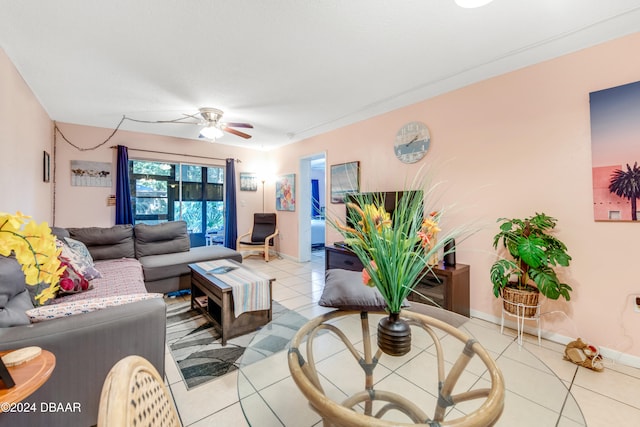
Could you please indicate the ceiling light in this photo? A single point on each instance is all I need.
(211, 132)
(470, 4)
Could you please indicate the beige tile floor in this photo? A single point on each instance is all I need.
(610, 398)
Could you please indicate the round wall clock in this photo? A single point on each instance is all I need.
(412, 142)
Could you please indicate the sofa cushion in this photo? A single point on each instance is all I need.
(164, 238)
(106, 243)
(14, 312)
(60, 232)
(121, 276)
(14, 297)
(72, 308)
(158, 267)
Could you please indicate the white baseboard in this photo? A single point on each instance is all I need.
(610, 355)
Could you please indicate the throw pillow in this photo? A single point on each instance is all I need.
(72, 281)
(71, 308)
(14, 298)
(76, 253)
(344, 290)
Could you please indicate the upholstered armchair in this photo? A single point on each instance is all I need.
(261, 236)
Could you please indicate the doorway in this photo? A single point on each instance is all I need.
(312, 202)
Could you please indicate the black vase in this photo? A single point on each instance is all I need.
(394, 335)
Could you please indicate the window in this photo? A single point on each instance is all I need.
(614, 215)
(163, 192)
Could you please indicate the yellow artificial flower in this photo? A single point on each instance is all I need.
(35, 250)
(375, 215)
(47, 294)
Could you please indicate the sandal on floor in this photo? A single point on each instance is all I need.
(583, 354)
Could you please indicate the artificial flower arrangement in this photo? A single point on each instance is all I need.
(428, 235)
(395, 251)
(35, 250)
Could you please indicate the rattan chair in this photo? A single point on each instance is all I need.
(134, 394)
(261, 236)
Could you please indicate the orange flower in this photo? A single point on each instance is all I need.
(429, 229)
(366, 277)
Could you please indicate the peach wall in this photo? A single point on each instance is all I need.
(87, 206)
(511, 146)
(25, 133)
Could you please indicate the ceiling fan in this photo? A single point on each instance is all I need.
(210, 119)
(214, 128)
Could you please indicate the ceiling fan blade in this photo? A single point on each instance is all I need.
(236, 132)
(238, 125)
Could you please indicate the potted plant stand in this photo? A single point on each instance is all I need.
(521, 311)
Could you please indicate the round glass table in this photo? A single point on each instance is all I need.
(533, 394)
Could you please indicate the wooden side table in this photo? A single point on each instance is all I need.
(28, 376)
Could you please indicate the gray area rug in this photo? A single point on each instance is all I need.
(196, 347)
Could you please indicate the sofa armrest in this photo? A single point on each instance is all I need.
(86, 347)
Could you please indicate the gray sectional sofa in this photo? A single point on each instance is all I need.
(87, 345)
(162, 249)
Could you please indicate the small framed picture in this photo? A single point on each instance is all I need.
(345, 179)
(46, 167)
(248, 181)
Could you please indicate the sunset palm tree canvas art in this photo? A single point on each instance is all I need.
(615, 130)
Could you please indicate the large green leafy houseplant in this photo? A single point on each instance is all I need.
(535, 254)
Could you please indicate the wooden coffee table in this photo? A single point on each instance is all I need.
(211, 295)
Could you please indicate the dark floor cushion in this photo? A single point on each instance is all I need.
(343, 289)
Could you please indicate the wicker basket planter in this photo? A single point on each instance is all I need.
(516, 300)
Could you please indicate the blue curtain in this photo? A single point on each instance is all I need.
(315, 198)
(124, 210)
(230, 215)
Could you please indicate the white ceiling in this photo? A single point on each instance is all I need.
(292, 68)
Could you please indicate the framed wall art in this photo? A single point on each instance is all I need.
(286, 192)
(248, 181)
(90, 174)
(615, 131)
(46, 167)
(345, 179)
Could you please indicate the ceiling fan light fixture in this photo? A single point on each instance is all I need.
(470, 4)
(211, 132)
